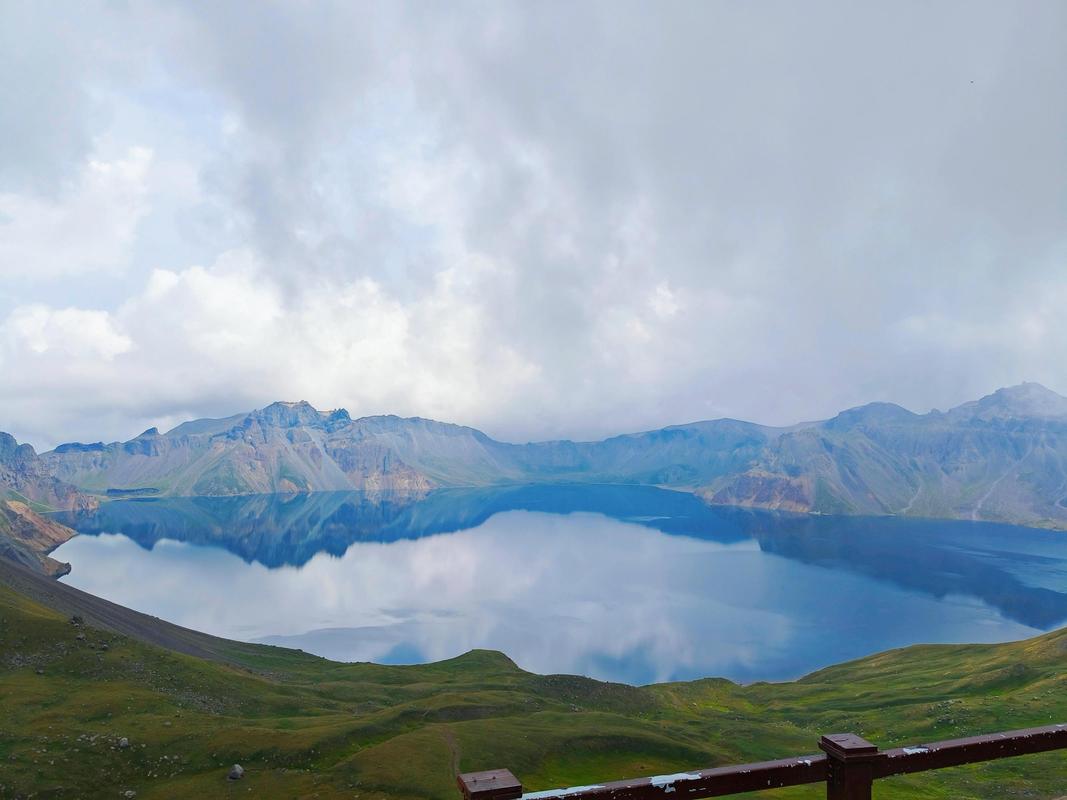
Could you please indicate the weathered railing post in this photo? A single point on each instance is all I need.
(850, 767)
(494, 784)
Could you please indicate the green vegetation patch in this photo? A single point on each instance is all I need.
(302, 726)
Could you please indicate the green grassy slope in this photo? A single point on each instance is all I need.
(306, 727)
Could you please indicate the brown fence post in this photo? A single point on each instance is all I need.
(850, 767)
(494, 784)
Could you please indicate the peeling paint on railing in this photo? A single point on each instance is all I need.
(551, 794)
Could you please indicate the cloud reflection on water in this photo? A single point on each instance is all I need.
(579, 593)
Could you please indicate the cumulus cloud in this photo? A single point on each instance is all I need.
(60, 334)
(89, 229)
(542, 219)
(228, 336)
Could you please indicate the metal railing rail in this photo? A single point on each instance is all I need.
(849, 765)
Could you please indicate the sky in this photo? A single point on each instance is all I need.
(542, 219)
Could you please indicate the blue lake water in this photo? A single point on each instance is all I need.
(632, 584)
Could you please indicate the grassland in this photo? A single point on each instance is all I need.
(306, 727)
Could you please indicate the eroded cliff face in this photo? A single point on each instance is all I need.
(24, 474)
(27, 538)
(761, 489)
(28, 488)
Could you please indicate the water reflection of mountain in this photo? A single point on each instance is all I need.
(935, 557)
(277, 530)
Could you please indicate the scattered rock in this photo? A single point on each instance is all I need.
(124, 743)
(77, 620)
(166, 723)
(129, 793)
(104, 647)
(80, 637)
(236, 772)
(39, 671)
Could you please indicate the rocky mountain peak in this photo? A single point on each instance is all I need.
(289, 415)
(1027, 400)
(10, 449)
(871, 414)
(337, 419)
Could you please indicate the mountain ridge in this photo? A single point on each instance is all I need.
(1002, 457)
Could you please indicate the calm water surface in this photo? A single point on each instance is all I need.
(624, 583)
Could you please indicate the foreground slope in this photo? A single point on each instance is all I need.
(306, 727)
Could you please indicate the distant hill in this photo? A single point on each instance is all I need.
(999, 458)
(1002, 458)
(291, 447)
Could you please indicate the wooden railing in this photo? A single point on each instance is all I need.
(849, 765)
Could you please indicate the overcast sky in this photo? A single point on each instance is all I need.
(541, 219)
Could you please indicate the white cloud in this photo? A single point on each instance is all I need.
(87, 228)
(544, 229)
(229, 330)
(663, 301)
(44, 333)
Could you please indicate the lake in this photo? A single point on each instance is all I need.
(632, 584)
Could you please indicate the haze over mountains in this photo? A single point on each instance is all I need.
(1003, 458)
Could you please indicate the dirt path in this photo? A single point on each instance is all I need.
(453, 749)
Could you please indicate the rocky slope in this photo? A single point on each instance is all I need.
(28, 488)
(1003, 457)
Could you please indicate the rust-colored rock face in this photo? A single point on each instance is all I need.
(25, 474)
(27, 486)
(761, 489)
(28, 537)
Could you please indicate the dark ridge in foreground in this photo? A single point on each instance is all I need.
(109, 616)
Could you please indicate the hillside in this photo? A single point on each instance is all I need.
(27, 491)
(291, 447)
(1001, 458)
(303, 726)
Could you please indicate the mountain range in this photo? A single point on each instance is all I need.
(1002, 458)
